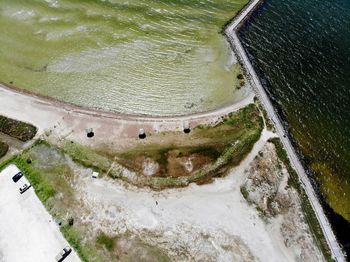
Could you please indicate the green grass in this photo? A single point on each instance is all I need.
(226, 143)
(268, 122)
(244, 193)
(43, 188)
(3, 149)
(86, 252)
(17, 129)
(105, 241)
(308, 211)
(86, 156)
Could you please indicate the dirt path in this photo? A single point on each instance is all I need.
(188, 218)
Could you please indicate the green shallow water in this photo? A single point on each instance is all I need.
(139, 57)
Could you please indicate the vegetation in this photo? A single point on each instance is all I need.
(106, 241)
(86, 156)
(268, 122)
(74, 237)
(42, 187)
(50, 172)
(17, 129)
(308, 210)
(3, 149)
(213, 149)
(47, 169)
(244, 193)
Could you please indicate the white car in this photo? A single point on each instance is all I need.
(24, 188)
(63, 254)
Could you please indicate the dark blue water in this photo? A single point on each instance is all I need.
(301, 49)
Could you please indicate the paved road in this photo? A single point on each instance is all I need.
(261, 93)
(27, 231)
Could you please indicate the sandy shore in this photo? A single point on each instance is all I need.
(67, 121)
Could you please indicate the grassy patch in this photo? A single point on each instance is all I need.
(214, 147)
(308, 211)
(86, 156)
(3, 149)
(244, 193)
(268, 121)
(226, 143)
(17, 129)
(105, 241)
(85, 251)
(43, 188)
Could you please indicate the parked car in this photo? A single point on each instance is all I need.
(63, 254)
(24, 188)
(17, 177)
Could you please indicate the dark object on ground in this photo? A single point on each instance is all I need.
(240, 76)
(186, 127)
(29, 161)
(187, 130)
(17, 177)
(24, 188)
(142, 134)
(3, 149)
(90, 134)
(17, 129)
(63, 254)
(71, 221)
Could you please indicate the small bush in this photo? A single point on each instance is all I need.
(244, 192)
(71, 221)
(17, 129)
(3, 149)
(240, 76)
(106, 241)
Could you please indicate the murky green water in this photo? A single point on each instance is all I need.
(137, 56)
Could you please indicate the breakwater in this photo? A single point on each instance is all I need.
(231, 32)
(301, 51)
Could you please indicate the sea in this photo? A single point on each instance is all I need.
(301, 50)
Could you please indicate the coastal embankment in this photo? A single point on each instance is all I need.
(231, 32)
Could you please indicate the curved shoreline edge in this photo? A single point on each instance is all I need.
(51, 101)
(231, 34)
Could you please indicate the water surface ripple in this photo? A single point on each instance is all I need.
(156, 57)
(301, 49)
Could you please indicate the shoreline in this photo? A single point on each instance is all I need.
(231, 33)
(51, 101)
